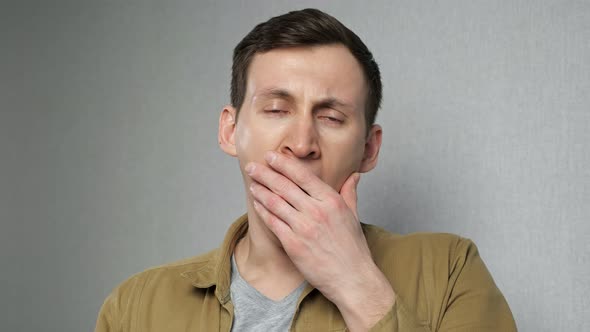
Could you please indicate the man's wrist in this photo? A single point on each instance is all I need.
(366, 306)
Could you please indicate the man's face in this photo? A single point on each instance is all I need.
(306, 103)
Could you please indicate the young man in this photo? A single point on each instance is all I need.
(304, 94)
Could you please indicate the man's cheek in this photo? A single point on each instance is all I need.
(243, 138)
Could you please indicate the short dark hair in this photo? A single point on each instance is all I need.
(307, 27)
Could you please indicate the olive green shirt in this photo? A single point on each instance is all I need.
(440, 282)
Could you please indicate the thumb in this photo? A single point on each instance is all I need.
(349, 192)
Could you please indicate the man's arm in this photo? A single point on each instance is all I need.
(319, 230)
(472, 301)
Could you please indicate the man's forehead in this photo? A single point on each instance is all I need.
(324, 72)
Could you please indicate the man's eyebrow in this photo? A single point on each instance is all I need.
(275, 93)
(332, 102)
(329, 102)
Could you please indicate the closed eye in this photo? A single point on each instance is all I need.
(331, 119)
(275, 113)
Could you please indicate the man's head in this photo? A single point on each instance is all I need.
(307, 87)
(304, 28)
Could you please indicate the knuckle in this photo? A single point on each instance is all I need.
(334, 202)
(304, 229)
(273, 202)
(318, 214)
(282, 187)
(294, 246)
(273, 220)
(309, 232)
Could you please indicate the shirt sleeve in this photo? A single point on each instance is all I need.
(107, 316)
(473, 302)
(115, 313)
(399, 319)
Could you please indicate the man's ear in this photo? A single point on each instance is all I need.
(227, 130)
(372, 147)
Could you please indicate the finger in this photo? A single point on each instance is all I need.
(349, 192)
(279, 228)
(278, 184)
(275, 204)
(299, 174)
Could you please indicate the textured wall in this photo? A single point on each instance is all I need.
(109, 161)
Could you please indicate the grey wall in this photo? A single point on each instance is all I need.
(109, 162)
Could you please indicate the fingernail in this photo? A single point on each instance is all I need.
(270, 157)
(250, 168)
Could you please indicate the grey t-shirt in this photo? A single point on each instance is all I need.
(256, 312)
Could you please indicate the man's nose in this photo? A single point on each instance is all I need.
(301, 140)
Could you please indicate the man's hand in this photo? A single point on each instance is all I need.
(320, 231)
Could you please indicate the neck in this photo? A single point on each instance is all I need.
(260, 256)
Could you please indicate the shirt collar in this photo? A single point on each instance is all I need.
(216, 265)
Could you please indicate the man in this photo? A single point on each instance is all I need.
(304, 94)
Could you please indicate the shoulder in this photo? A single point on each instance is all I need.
(433, 257)
(167, 279)
(436, 245)
(429, 270)
(174, 269)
